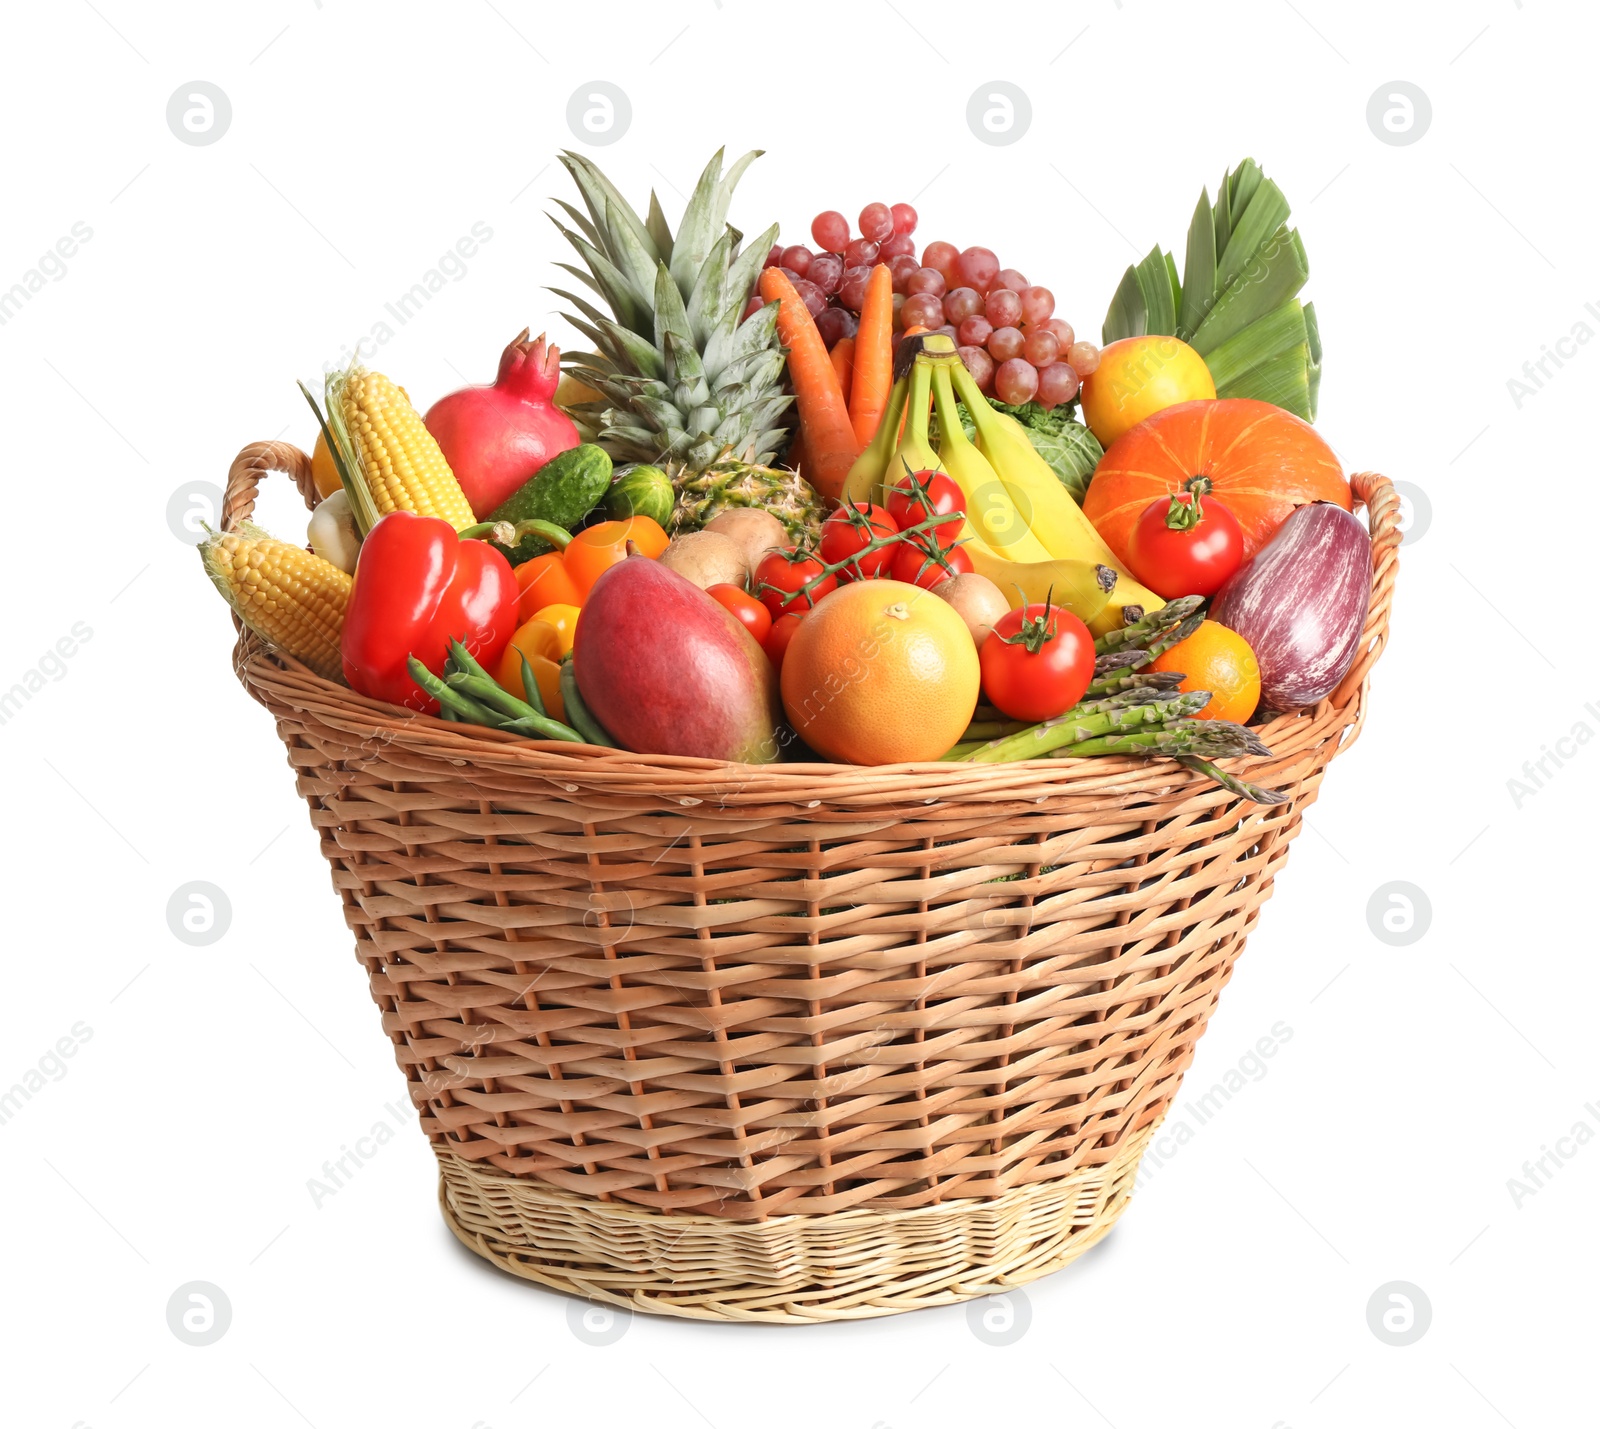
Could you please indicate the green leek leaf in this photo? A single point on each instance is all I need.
(1277, 274)
(1282, 380)
(1199, 269)
(1284, 327)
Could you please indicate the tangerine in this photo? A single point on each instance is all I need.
(880, 672)
(1220, 660)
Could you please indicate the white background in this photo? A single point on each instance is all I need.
(364, 141)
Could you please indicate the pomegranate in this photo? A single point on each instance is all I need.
(496, 437)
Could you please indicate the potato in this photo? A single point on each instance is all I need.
(755, 532)
(707, 558)
(977, 600)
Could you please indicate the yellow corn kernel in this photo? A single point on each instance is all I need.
(291, 598)
(400, 462)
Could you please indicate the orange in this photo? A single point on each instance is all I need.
(603, 545)
(323, 471)
(542, 645)
(1138, 377)
(880, 672)
(1215, 658)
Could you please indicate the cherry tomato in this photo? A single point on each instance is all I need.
(921, 495)
(779, 576)
(1037, 662)
(916, 565)
(745, 608)
(782, 632)
(1186, 545)
(848, 530)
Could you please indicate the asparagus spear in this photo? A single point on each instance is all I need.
(1147, 626)
(1133, 680)
(1202, 739)
(1075, 727)
(1232, 783)
(1129, 658)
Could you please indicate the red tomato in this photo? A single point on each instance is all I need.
(1037, 662)
(745, 608)
(915, 565)
(1184, 545)
(779, 576)
(921, 495)
(782, 632)
(848, 530)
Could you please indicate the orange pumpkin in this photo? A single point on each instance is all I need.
(1262, 462)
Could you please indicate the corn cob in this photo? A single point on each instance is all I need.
(398, 465)
(291, 598)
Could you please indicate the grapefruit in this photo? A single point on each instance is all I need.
(881, 672)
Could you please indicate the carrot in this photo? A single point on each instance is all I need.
(871, 377)
(796, 455)
(843, 359)
(831, 445)
(914, 329)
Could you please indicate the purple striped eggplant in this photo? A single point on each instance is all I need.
(1301, 601)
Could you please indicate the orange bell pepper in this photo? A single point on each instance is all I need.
(542, 645)
(563, 577)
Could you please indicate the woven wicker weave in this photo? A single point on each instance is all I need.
(796, 1041)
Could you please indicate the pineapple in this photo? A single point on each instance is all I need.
(679, 380)
(727, 483)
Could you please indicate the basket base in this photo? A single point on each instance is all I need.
(793, 1269)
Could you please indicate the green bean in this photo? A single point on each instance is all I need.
(467, 709)
(530, 686)
(578, 712)
(543, 727)
(488, 692)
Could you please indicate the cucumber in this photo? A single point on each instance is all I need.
(563, 491)
(642, 491)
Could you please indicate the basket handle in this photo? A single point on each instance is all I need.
(254, 462)
(1377, 494)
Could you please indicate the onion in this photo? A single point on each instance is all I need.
(1300, 602)
(977, 600)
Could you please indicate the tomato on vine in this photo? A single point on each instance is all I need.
(1037, 662)
(782, 632)
(1180, 548)
(927, 566)
(920, 496)
(780, 575)
(847, 533)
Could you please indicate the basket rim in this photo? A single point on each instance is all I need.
(264, 670)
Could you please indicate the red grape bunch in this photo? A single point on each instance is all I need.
(1005, 328)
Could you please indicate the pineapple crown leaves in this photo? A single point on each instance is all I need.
(678, 370)
(624, 252)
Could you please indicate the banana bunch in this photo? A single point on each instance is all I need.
(1023, 529)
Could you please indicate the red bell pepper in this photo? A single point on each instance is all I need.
(418, 587)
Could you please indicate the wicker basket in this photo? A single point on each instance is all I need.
(793, 1042)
